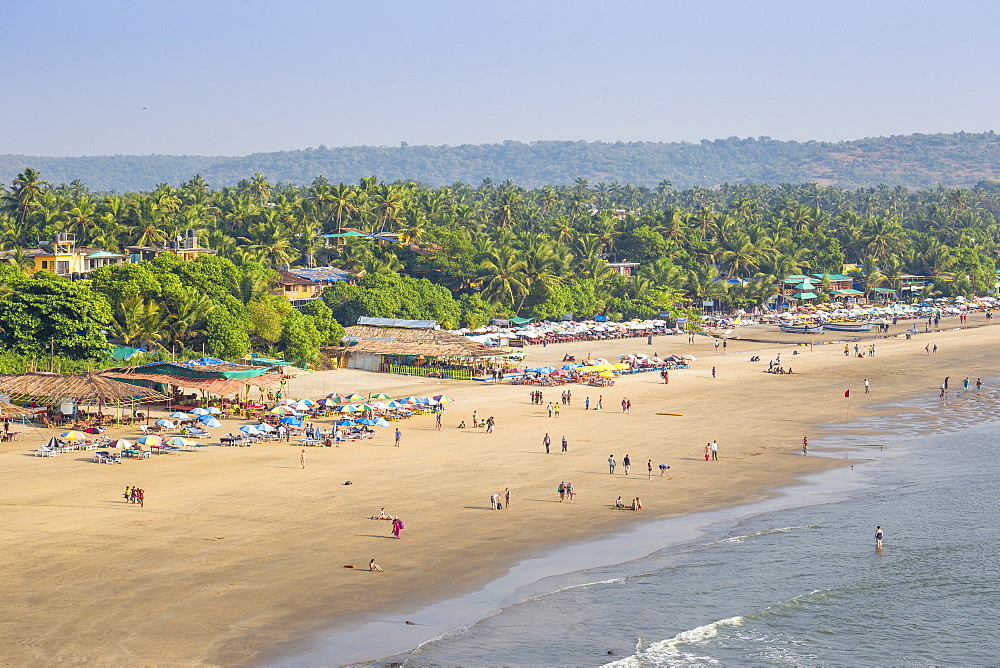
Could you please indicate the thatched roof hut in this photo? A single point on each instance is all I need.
(12, 411)
(428, 342)
(83, 388)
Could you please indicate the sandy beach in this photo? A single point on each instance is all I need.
(239, 551)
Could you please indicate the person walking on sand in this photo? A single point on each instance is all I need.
(399, 436)
(586, 404)
(649, 468)
(397, 527)
(372, 566)
(715, 451)
(490, 424)
(506, 498)
(708, 451)
(555, 409)
(565, 445)
(611, 464)
(570, 491)
(627, 463)
(878, 537)
(140, 496)
(624, 402)
(562, 491)
(866, 386)
(302, 458)
(713, 372)
(927, 349)
(805, 445)
(549, 407)
(475, 419)
(600, 402)
(437, 422)
(546, 442)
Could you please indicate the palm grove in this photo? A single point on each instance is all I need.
(468, 254)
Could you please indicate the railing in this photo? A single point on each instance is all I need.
(456, 374)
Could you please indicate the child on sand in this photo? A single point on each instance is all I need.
(372, 566)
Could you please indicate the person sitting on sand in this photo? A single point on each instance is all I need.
(619, 503)
(383, 516)
(372, 566)
(461, 425)
(636, 504)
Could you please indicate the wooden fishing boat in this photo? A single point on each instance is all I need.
(848, 326)
(802, 329)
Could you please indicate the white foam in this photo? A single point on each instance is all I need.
(739, 539)
(670, 652)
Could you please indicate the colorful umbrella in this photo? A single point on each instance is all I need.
(120, 443)
(149, 439)
(94, 430)
(281, 410)
(73, 435)
(380, 396)
(353, 398)
(300, 405)
(443, 399)
(409, 400)
(327, 402)
(178, 441)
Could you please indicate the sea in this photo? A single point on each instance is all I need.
(793, 580)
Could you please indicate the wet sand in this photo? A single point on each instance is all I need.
(239, 552)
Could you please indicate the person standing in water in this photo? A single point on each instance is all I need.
(878, 537)
(805, 445)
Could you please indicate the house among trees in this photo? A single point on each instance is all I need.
(623, 268)
(302, 284)
(61, 256)
(185, 247)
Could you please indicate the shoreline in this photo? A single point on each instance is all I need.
(257, 545)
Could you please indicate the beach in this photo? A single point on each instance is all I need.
(239, 553)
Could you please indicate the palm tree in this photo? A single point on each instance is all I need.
(503, 277)
(28, 188)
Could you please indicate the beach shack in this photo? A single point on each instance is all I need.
(299, 285)
(207, 375)
(413, 347)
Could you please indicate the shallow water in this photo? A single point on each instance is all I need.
(801, 585)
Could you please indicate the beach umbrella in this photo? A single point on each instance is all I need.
(149, 439)
(209, 421)
(380, 422)
(381, 406)
(177, 415)
(380, 396)
(165, 423)
(177, 441)
(265, 428)
(73, 435)
(94, 430)
(606, 374)
(120, 443)
(213, 410)
(288, 419)
(355, 398)
(349, 423)
(200, 411)
(249, 429)
(395, 403)
(300, 405)
(327, 402)
(443, 399)
(286, 402)
(366, 422)
(281, 410)
(346, 408)
(410, 400)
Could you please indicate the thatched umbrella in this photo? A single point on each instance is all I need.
(12, 411)
(83, 388)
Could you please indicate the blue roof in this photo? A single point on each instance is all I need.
(397, 322)
(322, 274)
(104, 253)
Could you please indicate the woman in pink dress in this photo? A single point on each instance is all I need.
(397, 527)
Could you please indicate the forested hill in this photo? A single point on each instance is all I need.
(960, 159)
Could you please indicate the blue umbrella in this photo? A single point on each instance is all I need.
(209, 421)
(265, 428)
(199, 411)
(292, 421)
(367, 422)
(571, 366)
(380, 422)
(213, 410)
(349, 423)
(165, 423)
(177, 415)
(249, 429)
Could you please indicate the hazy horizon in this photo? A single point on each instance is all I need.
(232, 78)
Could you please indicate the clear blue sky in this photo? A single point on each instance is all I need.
(226, 77)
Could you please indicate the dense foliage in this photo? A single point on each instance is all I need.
(466, 254)
(959, 159)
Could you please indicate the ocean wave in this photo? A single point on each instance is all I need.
(738, 539)
(671, 651)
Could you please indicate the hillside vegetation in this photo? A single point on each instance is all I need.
(913, 161)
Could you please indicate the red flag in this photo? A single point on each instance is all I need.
(847, 394)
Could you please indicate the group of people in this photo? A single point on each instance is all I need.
(712, 451)
(134, 495)
(635, 505)
(547, 442)
(626, 405)
(553, 409)
(566, 491)
(500, 503)
(566, 398)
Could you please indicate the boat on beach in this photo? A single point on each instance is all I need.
(802, 329)
(848, 326)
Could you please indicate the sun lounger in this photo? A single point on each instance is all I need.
(47, 452)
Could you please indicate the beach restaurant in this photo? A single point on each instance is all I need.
(53, 397)
(208, 375)
(413, 347)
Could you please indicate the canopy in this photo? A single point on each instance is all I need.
(12, 411)
(804, 295)
(83, 388)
